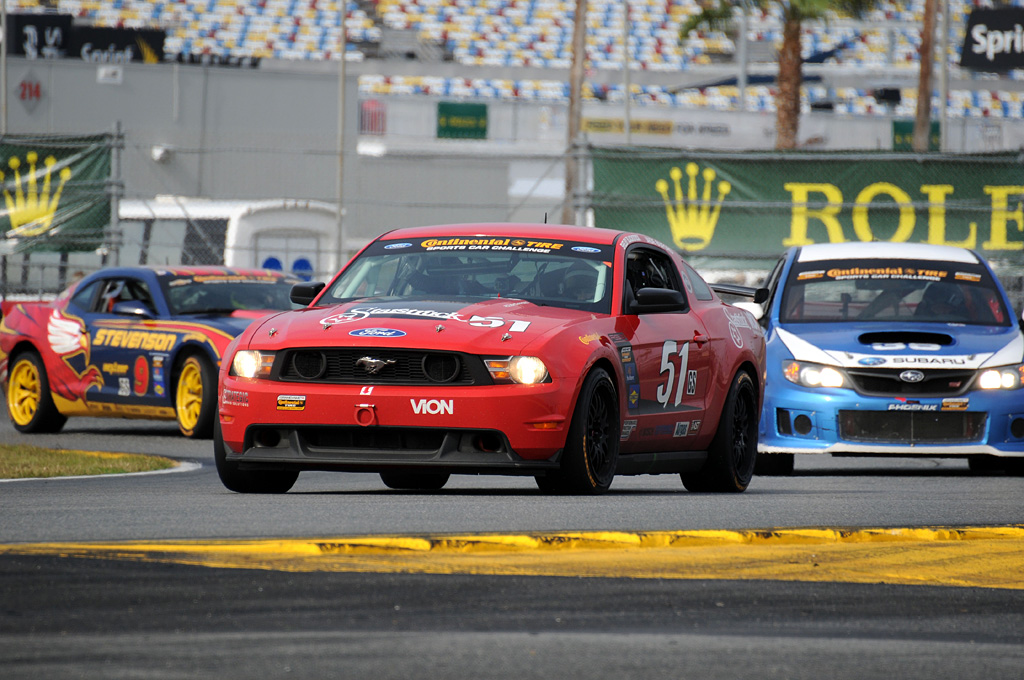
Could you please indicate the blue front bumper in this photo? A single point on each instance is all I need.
(821, 420)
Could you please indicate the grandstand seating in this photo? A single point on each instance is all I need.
(538, 33)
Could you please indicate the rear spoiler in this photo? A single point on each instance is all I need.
(758, 295)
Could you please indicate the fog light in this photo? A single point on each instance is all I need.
(1017, 428)
(802, 424)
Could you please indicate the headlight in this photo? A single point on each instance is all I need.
(1002, 378)
(811, 375)
(522, 370)
(252, 363)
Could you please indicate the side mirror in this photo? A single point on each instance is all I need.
(654, 300)
(305, 293)
(132, 308)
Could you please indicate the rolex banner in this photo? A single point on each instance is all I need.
(55, 192)
(758, 204)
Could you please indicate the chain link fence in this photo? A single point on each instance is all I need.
(738, 212)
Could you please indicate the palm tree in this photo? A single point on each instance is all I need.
(719, 14)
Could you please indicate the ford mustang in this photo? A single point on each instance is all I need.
(130, 342)
(890, 349)
(569, 354)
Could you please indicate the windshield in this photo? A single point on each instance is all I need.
(560, 274)
(887, 290)
(224, 293)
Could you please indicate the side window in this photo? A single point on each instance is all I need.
(700, 288)
(651, 269)
(124, 290)
(83, 297)
(771, 282)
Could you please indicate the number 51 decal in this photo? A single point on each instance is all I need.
(674, 383)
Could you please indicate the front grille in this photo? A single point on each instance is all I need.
(371, 366)
(885, 382)
(912, 427)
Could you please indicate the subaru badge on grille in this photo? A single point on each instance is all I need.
(912, 376)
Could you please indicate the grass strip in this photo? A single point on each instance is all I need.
(23, 461)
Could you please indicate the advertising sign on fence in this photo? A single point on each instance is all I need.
(759, 204)
(994, 40)
(458, 120)
(54, 193)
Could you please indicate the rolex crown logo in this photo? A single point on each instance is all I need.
(692, 218)
(30, 208)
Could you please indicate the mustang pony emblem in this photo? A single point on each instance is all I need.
(374, 366)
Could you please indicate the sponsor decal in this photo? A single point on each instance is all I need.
(291, 402)
(626, 354)
(633, 392)
(363, 313)
(883, 273)
(586, 249)
(145, 340)
(960, 404)
(235, 398)
(681, 429)
(433, 407)
(124, 387)
(630, 370)
(377, 333)
(691, 382)
(911, 405)
(366, 389)
(816, 274)
(931, 361)
(694, 426)
(115, 368)
(628, 426)
(396, 246)
(871, 361)
(141, 385)
(485, 243)
(158, 374)
(966, 276)
(589, 338)
(739, 320)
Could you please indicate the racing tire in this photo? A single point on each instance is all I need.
(29, 402)
(774, 464)
(195, 397)
(413, 481)
(248, 481)
(592, 447)
(733, 451)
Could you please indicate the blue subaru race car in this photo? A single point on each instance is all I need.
(892, 349)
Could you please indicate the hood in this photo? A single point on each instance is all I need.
(920, 345)
(233, 323)
(499, 325)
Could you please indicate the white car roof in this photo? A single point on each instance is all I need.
(884, 250)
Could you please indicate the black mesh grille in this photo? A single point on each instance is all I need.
(371, 366)
(912, 427)
(887, 382)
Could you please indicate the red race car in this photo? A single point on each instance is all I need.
(571, 354)
(131, 342)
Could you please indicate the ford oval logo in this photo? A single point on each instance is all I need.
(393, 246)
(871, 361)
(912, 376)
(377, 333)
(586, 249)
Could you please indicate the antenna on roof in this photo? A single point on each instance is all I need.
(545, 218)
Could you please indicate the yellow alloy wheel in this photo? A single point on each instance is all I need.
(189, 397)
(25, 392)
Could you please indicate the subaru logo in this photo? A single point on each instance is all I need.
(912, 376)
(871, 361)
(377, 333)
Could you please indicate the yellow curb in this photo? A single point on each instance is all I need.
(991, 557)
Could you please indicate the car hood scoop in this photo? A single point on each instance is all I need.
(906, 338)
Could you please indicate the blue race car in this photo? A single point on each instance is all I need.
(131, 342)
(893, 349)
